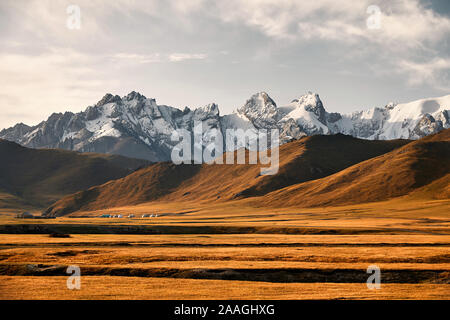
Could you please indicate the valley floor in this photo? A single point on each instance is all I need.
(232, 251)
(129, 288)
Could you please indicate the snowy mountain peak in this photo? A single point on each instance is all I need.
(261, 110)
(264, 98)
(108, 98)
(391, 105)
(309, 114)
(310, 102)
(137, 126)
(310, 98)
(211, 108)
(133, 95)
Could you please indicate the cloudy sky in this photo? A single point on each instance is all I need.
(193, 52)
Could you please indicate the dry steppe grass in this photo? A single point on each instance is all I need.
(117, 288)
(249, 252)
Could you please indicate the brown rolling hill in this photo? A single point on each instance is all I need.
(303, 160)
(420, 169)
(35, 178)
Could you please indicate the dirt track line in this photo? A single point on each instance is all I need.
(278, 275)
(217, 245)
(178, 229)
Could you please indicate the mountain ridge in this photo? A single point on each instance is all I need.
(306, 159)
(412, 169)
(421, 167)
(138, 127)
(37, 178)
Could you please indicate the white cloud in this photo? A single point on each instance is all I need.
(177, 57)
(413, 43)
(430, 72)
(157, 57)
(184, 6)
(60, 79)
(139, 58)
(409, 30)
(406, 22)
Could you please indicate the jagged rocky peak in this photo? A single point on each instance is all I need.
(138, 102)
(18, 130)
(91, 113)
(263, 96)
(391, 105)
(108, 98)
(261, 110)
(311, 102)
(444, 116)
(133, 95)
(208, 114)
(259, 102)
(427, 125)
(133, 102)
(186, 110)
(310, 98)
(211, 108)
(136, 126)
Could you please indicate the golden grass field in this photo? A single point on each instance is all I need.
(233, 250)
(105, 287)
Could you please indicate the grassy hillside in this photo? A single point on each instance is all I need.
(38, 177)
(421, 168)
(303, 160)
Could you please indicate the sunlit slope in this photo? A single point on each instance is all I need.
(303, 160)
(421, 168)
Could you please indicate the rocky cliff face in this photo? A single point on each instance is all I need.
(136, 126)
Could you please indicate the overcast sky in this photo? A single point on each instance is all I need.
(193, 52)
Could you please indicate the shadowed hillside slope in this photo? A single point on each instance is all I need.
(39, 177)
(420, 168)
(144, 185)
(303, 160)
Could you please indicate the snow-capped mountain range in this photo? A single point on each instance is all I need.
(136, 126)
